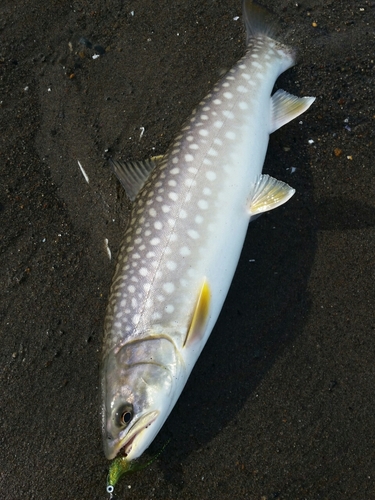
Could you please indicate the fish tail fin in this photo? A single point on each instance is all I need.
(258, 20)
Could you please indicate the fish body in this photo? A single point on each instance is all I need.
(188, 223)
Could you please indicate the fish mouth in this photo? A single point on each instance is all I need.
(126, 443)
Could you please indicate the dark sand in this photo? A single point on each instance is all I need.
(281, 403)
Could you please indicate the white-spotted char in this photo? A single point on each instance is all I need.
(189, 219)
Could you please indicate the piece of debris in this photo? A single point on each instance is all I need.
(108, 250)
(337, 152)
(83, 172)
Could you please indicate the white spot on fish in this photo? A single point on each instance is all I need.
(166, 208)
(135, 319)
(203, 204)
(211, 175)
(198, 219)
(228, 95)
(242, 89)
(218, 124)
(169, 309)
(203, 132)
(228, 114)
(152, 212)
(230, 135)
(175, 171)
(189, 182)
(189, 157)
(193, 234)
(192, 170)
(155, 241)
(243, 105)
(169, 287)
(173, 196)
(217, 101)
(185, 251)
(158, 225)
(171, 265)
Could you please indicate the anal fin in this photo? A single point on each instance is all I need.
(199, 317)
(268, 194)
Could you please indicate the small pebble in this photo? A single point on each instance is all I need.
(337, 152)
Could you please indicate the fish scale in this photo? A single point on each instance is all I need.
(181, 248)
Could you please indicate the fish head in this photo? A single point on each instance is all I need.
(136, 400)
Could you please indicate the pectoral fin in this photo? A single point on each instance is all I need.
(133, 174)
(285, 107)
(269, 193)
(200, 315)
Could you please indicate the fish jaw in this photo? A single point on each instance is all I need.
(129, 441)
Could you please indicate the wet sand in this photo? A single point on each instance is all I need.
(281, 402)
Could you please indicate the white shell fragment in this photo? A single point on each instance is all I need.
(83, 172)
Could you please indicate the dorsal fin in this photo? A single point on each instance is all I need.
(133, 174)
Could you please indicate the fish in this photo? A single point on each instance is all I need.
(190, 213)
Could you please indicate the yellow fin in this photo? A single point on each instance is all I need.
(285, 107)
(157, 158)
(200, 315)
(268, 194)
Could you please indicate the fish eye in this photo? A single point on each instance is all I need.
(124, 414)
